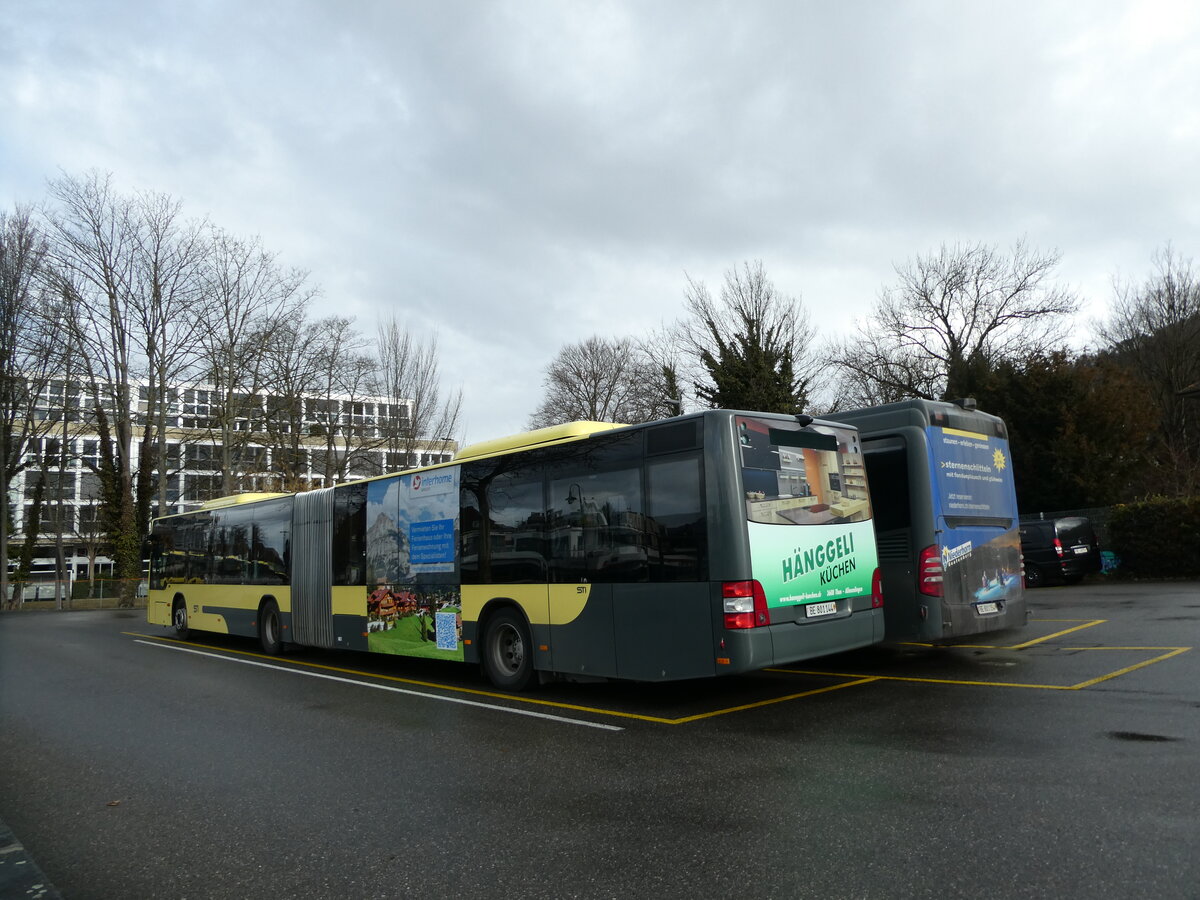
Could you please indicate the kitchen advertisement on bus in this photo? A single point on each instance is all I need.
(976, 503)
(815, 564)
(812, 477)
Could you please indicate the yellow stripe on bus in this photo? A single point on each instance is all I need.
(967, 434)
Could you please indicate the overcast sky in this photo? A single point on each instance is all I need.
(516, 176)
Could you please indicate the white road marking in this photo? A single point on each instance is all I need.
(386, 687)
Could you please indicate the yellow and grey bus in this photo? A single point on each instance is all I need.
(712, 543)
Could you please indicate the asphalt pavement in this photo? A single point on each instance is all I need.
(1055, 760)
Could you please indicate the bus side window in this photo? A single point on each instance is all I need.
(232, 559)
(502, 524)
(678, 530)
(887, 477)
(168, 562)
(197, 545)
(598, 526)
(272, 523)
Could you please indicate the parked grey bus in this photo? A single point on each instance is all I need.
(945, 518)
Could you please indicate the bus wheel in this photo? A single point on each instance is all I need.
(270, 633)
(179, 620)
(508, 651)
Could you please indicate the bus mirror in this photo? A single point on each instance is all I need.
(804, 420)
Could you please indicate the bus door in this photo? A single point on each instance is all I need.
(979, 545)
(311, 620)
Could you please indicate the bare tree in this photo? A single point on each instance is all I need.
(1154, 331)
(94, 233)
(753, 346)
(662, 357)
(293, 360)
(247, 297)
(26, 355)
(905, 374)
(953, 316)
(343, 380)
(91, 533)
(169, 254)
(408, 377)
(601, 380)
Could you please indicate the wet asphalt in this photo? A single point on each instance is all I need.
(1054, 760)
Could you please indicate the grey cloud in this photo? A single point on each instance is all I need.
(519, 175)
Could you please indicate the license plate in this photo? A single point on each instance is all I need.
(1080, 550)
(986, 609)
(820, 609)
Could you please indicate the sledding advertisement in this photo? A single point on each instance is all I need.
(976, 500)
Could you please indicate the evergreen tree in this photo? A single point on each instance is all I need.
(751, 346)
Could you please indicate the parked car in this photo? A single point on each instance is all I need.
(1059, 550)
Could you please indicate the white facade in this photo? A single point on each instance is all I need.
(194, 456)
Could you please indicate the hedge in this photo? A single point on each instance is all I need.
(1157, 538)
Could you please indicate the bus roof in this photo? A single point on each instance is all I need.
(920, 412)
(555, 434)
(239, 499)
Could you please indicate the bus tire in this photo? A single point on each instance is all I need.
(508, 651)
(270, 628)
(179, 619)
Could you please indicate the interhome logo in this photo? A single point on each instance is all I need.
(430, 483)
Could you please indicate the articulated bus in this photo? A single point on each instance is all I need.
(712, 543)
(945, 518)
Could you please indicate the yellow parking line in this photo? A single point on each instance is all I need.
(853, 679)
(1106, 647)
(1175, 651)
(1088, 624)
(532, 701)
(1056, 634)
(865, 679)
(976, 647)
(1044, 687)
(396, 678)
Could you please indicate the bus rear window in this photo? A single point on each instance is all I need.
(802, 476)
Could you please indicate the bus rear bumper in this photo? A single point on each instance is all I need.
(964, 618)
(791, 642)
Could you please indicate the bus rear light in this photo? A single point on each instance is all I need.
(929, 572)
(745, 604)
(877, 589)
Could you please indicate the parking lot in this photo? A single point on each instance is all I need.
(1055, 759)
(1077, 638)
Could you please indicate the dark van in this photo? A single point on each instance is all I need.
(1059, 550)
